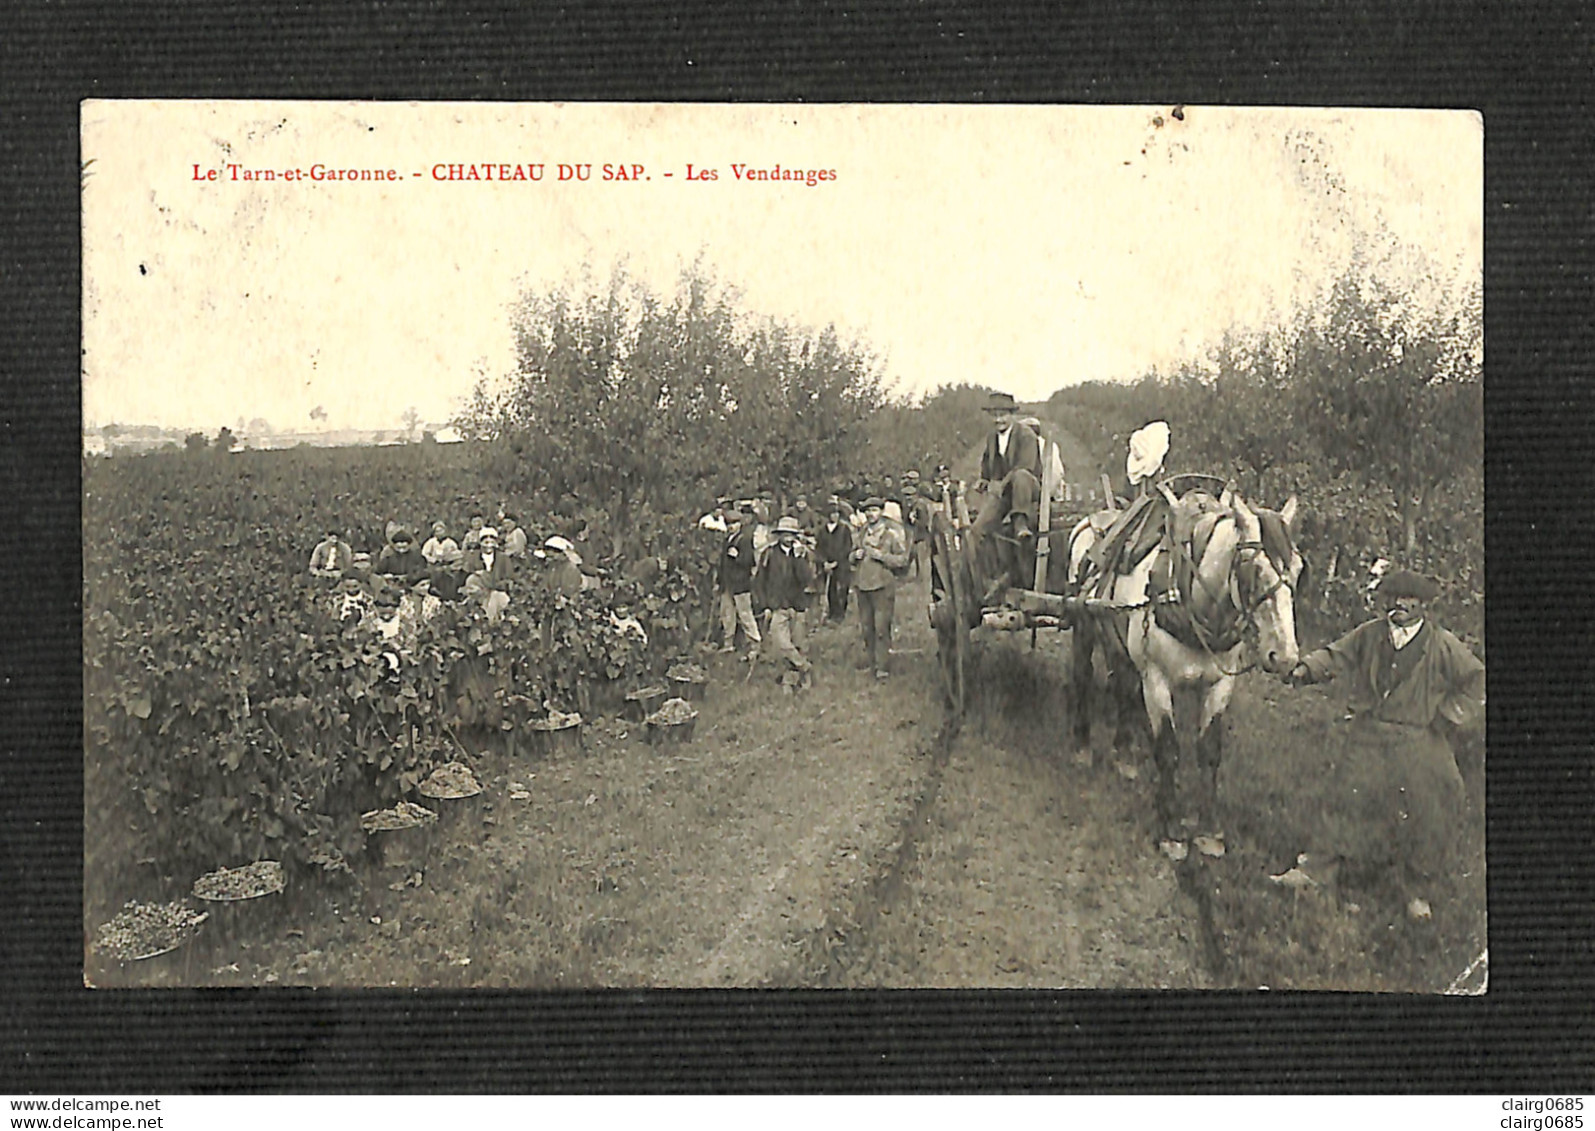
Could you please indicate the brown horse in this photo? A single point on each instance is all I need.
(1187, 646)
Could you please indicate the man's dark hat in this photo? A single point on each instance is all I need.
(1001, 402)
(873, 501)
(1405, 583)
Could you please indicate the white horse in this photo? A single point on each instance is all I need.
(1239, 614)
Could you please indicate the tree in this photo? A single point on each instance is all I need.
(196, 442)
(412, 420)
(1395, 392)
(224, 439)
(623, 396)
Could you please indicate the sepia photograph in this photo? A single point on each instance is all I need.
(575, 545)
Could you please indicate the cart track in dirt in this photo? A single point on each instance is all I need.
(1018, 868)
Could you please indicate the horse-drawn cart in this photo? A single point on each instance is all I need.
(961, 600)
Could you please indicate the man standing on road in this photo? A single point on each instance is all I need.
(785, 577)
(1414, 688)
(880, 554)
(737, 559)
(834, 546)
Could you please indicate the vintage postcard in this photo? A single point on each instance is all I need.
(577, 545)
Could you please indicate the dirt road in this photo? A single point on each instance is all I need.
(1024, 869)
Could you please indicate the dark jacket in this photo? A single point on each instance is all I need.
(1024, 450)
(496, 577)
(408, 564)
(1436, 675)
(785, 578)
(833, 546)
(736, 561)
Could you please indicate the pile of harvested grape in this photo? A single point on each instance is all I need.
(143, 930)
(557, 720)
(404, 815)
(263, 877)
(673, 713)
(450, 781)
(687, 673)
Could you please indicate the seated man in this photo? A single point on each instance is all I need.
(332, 557)
(1010, 477)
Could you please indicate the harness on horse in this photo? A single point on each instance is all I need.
(1158, 521)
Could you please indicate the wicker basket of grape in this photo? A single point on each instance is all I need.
(401, 837)
(145, 942)
(688, 681)
(673, 723)
(242, 900)
(645, 701)
(559, 732)
(453, 793)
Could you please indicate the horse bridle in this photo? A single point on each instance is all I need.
(1248, 612)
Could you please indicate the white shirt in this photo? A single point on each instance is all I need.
(1002, 440)
(1401, 637)
(487, 559)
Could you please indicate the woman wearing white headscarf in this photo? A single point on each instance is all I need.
(1148, 447)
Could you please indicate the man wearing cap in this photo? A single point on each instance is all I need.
(1413, 686)
(716, 519)
(880, 553)
(331, 557)
(737, 559)
(1010, 477)
(785, 577)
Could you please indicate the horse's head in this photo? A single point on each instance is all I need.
(1266, 568)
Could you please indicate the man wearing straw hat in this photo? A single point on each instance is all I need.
(785, 577)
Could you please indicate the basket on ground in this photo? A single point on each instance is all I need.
(688, 681)
(644, 702)
(401, 837)
(672, 723)
(453, 793)
(244, 899)
(558, 732)
(146, 939)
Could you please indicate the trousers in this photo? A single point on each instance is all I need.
(787, 633)
(1018, 493)
(837, 586)
(735, 609)
(875, 608)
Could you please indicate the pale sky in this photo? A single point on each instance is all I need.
(1026, 248)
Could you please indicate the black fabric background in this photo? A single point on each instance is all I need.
(1527, 67)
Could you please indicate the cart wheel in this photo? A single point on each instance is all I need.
(950, 574)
